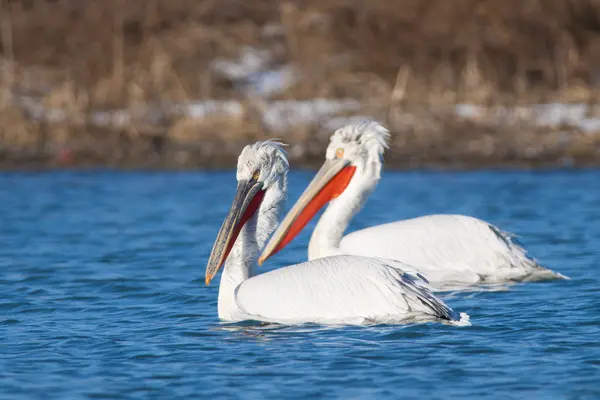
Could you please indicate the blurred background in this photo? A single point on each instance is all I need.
(186, 84)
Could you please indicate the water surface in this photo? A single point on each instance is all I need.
(103, 296)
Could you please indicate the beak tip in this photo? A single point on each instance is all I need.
(261, 260)
(207, 280)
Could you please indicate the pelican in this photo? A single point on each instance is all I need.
(331, 290)
(451, 251)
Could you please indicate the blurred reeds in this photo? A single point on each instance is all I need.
(408, 63)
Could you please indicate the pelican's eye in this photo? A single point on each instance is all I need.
(339, 153)
(256, 175)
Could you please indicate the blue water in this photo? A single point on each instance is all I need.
(102, 295)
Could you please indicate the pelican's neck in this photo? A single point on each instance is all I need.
(326, 238)
(241, 262)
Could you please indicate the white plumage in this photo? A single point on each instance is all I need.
(332, 290)
(451, 251)
(342, 290)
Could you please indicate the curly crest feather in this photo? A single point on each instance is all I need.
(363, 143)
(364, 133)
(268, 157)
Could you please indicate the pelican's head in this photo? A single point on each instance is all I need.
(266, 162)
(360, 145)
(353, 161)
(261, 167)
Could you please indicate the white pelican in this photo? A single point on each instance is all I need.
(451, 251)
(331, 290)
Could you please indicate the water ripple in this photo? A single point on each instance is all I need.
(103, 295)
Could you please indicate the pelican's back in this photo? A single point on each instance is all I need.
(341, 289)
(449, 248)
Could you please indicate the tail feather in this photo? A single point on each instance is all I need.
(521, 258)
(540, 273)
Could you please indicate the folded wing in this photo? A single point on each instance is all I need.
(341, 289)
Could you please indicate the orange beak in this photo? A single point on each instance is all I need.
(331, 181)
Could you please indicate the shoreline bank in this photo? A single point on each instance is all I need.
(186, 84)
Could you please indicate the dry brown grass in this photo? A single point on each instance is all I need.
(399, 58)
